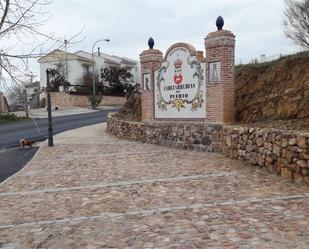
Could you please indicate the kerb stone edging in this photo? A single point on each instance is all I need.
(285, 153)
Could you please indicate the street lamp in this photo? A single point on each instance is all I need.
(93, 67)
(50, 121)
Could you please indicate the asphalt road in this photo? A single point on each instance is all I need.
(12, 159)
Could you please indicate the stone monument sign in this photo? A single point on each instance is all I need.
(186, 86)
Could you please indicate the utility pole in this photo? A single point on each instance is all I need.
(50, 121)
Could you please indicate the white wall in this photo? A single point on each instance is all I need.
(43, 67)
(138, 73)
(75, 71)
(30, 91)
(99, 61)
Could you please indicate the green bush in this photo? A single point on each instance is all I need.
(95, 101)
(10, 117)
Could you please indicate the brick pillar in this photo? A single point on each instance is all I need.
(150, 61)
(220, 96)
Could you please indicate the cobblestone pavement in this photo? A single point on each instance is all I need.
(93, 190)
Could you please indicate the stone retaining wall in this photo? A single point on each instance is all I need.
(197, 136)
(281, 152)
(113, 100)
(63, 99)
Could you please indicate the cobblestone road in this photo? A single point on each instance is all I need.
(93, 190)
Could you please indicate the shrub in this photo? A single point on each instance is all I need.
(95, 100)
(10, 117)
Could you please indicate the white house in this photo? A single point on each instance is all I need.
(77, 64)
(132, 65)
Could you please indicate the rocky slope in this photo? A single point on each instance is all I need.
(132, 109)
(275, 92)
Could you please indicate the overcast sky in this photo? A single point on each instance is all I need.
(257, 25)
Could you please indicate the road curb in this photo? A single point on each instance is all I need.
(41, 145)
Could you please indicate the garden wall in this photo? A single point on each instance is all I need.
(113, 100)
(63, 99)
(281, 152)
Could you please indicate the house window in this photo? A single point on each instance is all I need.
(86, 68)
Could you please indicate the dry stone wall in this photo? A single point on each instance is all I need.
(197, 136)
(63, 99)
(281, 152)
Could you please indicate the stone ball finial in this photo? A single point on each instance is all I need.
(150, 43)
(220, 22)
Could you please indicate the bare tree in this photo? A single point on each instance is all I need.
(20, 23)
(296, 22)
(18, 97)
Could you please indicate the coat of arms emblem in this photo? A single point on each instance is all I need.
(178, 76)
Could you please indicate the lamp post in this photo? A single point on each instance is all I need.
(50, 121)
(93, 68)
